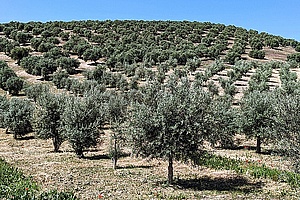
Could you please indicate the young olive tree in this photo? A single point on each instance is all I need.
(116, 112)
(170, 122)
(47, 118)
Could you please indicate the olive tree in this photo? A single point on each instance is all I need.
(115, 111)
(14, 85)
(92, 54)
(47, 118)
(80, 122)
(257, 116)
(18, 53)
(36, 90)
(169, 122)
(9, 81)
(3, 109)
(17, 117)
(288, 122)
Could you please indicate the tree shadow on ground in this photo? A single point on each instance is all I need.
(239, 148)
(238, 183)
(97, 157)
(135, 167)
(26, 138)
(102, 156)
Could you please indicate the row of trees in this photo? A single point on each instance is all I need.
(168, 120)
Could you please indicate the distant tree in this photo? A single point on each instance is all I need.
(232, 56)
(14, 85)
(193, 64)
(53, 40)
(59, 78)
(256, 43)
(92, 54)
(5, 73)
(37, 31)
(9, 81)
(35, 43)
(36, 90)
(64, 36)
(55, 53)
(289, 80)
(81, 48)
(4, 104)
(18, 53)
(45, 67)
(274, 43)
(294, 57)
(7, 30)
(8, 46)
(259, 54)
(115, 112)
(23, 38)
(68, 64)
(45, 46)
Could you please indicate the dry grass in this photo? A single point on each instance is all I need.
(135, 178)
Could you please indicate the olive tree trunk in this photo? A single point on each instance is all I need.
(170, 170)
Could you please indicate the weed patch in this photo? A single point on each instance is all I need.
(256, 170)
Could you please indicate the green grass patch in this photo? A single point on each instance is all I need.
(257, 170)
(14, 185)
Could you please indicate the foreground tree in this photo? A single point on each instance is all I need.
(288, 127)
(47, 118)
(170, 122)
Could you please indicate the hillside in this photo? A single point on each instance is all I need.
(140, 50)
(72, 77)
